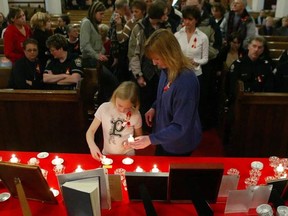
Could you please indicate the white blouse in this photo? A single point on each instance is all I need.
(197, 48)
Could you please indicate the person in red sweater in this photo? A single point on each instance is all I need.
(16, 33)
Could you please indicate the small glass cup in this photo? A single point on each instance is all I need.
(274, 161)
(233, 171)
(59, 169)
(255, 173)
(282, 211)
(250, 182)
(284, 162)
(264, 210)
(121, 172)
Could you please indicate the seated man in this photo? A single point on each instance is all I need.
(65, 70)
(255, 72)
(26, 72)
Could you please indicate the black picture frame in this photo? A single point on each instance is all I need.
(155, 184)
(198, 180)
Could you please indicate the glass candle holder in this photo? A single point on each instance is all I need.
(59, 169)
(255, 173)
(233, 171)
(250, 182)
(274, 161)
(121, 172)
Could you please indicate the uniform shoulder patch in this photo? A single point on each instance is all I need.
(78, 62)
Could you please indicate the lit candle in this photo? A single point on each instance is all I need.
(14, 159)
(131, 138)
(79, 169)
(280, 168)
(280, 171)
(139, 169)
(57, 160)
(155, 168)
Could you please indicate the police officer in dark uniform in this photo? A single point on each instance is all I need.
(255, 72)
(65, 70)
(26, 72)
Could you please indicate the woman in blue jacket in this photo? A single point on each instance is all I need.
(174, 114)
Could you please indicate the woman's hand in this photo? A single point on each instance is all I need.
(140, 142)
(141, 81)
(149, 115)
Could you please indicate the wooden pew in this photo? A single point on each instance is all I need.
(42, 120)
(275, 54)
(4, 77)
(260, 125)
(277, 45)
(276, 38)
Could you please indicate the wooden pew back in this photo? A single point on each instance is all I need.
(278, 45)
(42, 120)
(261, 124)
(275, 54)
(276, 38)
(4, 77)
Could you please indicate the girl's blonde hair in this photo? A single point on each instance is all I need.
(127, 90)
(39, 20)
(164, 44)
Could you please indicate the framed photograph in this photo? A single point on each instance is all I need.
(198, 181)
(33, 182)
(155, 184)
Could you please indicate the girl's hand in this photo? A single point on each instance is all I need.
(95, 153)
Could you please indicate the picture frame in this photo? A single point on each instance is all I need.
(32, 180)
(155, 184)
(200, 179)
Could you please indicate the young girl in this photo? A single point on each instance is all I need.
(120, 118)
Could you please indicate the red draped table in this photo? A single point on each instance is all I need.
(12, 206)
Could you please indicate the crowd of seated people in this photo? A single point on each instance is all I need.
(223, 46)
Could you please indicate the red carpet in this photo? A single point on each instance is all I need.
(210, 146)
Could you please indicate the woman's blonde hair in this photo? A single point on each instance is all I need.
(127, 90)
(39, 20)
(163, 44)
